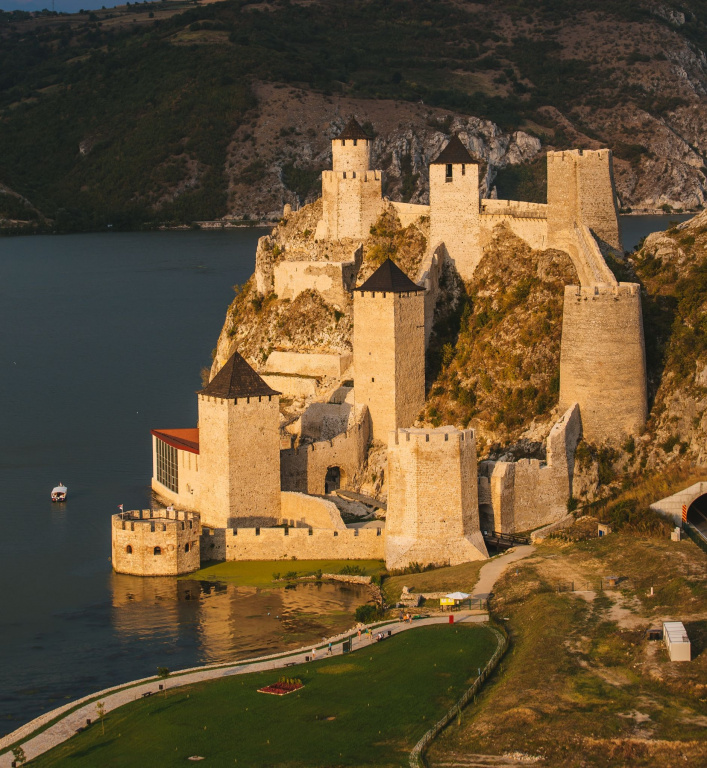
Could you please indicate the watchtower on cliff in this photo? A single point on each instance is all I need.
(580, 190)
(433, 505)
(239, 445)
(454, 206)
(389, 349)
(351, 192)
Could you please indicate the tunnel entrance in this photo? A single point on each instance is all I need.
(697, 514)
(332, 481)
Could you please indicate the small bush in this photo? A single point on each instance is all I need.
(366, 613)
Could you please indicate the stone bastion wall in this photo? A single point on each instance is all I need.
(293, 543)
(155, 543)
(603, 360)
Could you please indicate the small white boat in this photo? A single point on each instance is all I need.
(59, 492)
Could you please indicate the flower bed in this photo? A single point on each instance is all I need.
(283, 686)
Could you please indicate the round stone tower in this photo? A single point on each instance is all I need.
(351, 149)
(162, 542)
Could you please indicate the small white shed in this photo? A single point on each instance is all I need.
(676, 640)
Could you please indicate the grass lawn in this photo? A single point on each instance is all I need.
(259, 573)
(369, 708)
(461, 578)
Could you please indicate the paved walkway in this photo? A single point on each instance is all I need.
(113, 698)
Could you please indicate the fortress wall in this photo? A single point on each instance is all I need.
(428, 277)
(302, 511)
(304, 469)
(454, 215)
(330, 279)
(520, 208)
(409, 213)
(533, 230)
(597, 198)
(176, 534)
(433, 512)
(528, 493)
(351, 203)
(291, 385)
(371, 204)
(324, 421)
(562, 199)
(588, 251)
(304, 544)
(235, 489)
(307, 364)
(602, 360)
(264, 268)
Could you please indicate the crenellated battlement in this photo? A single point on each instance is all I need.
(156, 520)
(361, 176)
(602, 291)
(573, 155)
(237, 400)
(432, 437)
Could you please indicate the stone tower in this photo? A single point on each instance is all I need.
(351, 192)
(239, 447)
(580, 188)
(389, 349)
(454, 206)
(433, 505)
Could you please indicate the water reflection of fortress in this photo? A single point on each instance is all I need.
(234, 470)
(221, 619)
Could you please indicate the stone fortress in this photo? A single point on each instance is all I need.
(257, 490)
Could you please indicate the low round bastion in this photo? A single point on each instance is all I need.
(161, 542)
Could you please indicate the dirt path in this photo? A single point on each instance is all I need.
(493, 570)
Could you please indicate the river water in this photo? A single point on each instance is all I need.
(102, 337)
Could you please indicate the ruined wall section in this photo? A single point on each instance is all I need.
(433, 511)
(303, 468)
(454, 214)
(291, 543)
(389, 358)
(239, 448)
(333, 280)
(603, 361)
(155, 543)
(529, 493)
(428, 277)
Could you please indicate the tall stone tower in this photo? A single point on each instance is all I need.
(454, 206)
(351, 192)
(433, 505)
(239, 449)
(389, 349)
(580, 188)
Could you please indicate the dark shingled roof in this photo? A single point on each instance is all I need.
(455, 153)
(352, 130)
(389, 278)
(237, 379)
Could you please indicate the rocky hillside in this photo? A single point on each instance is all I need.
(171, 113)
(494, 360)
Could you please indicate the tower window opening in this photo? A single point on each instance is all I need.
(157, 551)
(463, 169)
(355, 142)
(448, 172)
(186, 547)
(129, 549)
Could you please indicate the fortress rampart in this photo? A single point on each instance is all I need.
(302, 511)
(333, 280)
(351, 203)
(303, 469)
(433, 511)
(529, 493)
(293, 543)
(603, 361)
(155, 543)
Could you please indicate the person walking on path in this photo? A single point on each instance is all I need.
(329, 649)
(359, 634)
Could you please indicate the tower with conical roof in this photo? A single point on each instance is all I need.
(389, 349)
(454, 206)
(239, 447)
(351, 192)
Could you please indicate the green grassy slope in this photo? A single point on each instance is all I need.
(369, 708)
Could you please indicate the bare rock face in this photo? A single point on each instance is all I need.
(289, 144)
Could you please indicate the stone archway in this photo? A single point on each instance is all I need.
(697, 514)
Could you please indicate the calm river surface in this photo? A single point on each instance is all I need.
(102, 337)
